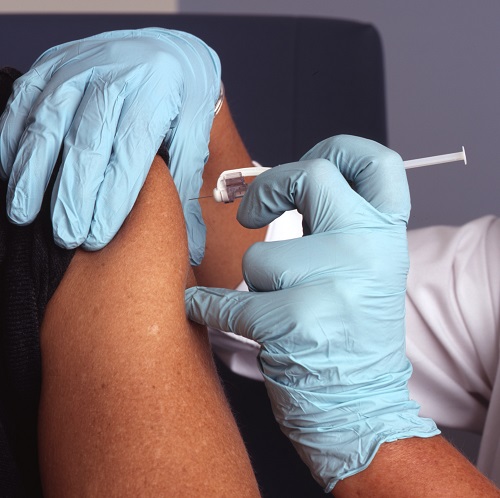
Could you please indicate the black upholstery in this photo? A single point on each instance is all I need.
(290, 83)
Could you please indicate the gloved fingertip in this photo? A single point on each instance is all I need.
(91, 244)
(18, 219)
(196, 252)
(195, 261)
(19, 215)
(22, 207)
(189, 294)
(99, 235)
(65, 241)
(189, 302)
(193, 306)
(196, 232)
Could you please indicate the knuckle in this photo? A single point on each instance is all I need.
(388, 157)
(317, 170)
(318, 166)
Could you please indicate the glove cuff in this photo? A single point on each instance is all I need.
(337, 440)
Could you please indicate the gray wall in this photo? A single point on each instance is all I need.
(443, 84)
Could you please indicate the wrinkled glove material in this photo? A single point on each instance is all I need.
(329, 308)
(109, 101)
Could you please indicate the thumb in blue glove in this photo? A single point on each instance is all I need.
(328, 308)
(109, 101)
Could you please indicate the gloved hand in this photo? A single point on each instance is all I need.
(110, 100)
(328, 309)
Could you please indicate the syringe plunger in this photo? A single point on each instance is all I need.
(443, 158)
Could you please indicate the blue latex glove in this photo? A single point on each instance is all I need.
(328, 309)
(110, 100)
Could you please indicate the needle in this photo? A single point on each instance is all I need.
(203, 197)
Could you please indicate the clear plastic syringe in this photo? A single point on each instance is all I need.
(231, 183)
(429, 161)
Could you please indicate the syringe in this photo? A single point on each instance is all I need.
(443, 158)
(231, 184)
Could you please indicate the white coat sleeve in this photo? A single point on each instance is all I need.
(453, 330)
